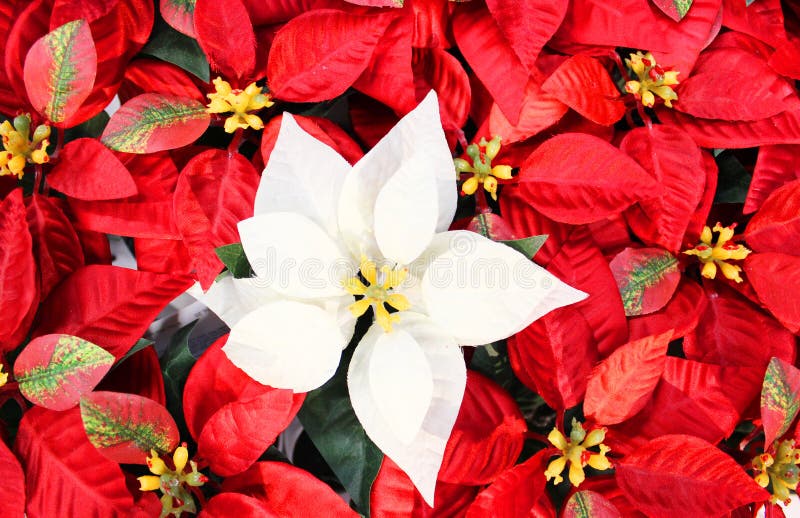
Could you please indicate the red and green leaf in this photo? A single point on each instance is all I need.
(621, 385)
(87, 170)
(588, 504)
(675, 9)
(125, 427)
(54, 371)
(154, 122)
(675, 473)
(60, 70)
(647, 278)
(179, 14)
(780, 399)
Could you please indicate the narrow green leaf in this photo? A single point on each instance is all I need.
(234, 258)
(169, 45)
(176, 362)
(527, 246)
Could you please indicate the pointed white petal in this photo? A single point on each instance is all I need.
(406, 211)
(418, 133)
(293, 255)
(481, 291)
(422, 457)
(303, 175)
(231, 299)
(287, 344)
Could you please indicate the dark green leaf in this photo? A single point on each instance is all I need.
(734, 180)
(329, 419)
(170, 45)
(527, 246)
(176, 363)
(92, 128)
(234, 258)
(138, 346)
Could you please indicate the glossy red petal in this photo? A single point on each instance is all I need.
(777, 222)
(235, 504)
(682, 313)
(12, 490)
(776, 279)
(540, 110)
(139, 374)
(763, 20)
(435, 69)
(88, 170)
(225, 34)
(775, 166)
(783, 128)
(153, 75)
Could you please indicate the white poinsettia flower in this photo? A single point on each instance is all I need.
(329, 241)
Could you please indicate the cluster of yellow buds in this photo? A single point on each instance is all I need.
(240, 102)
(717, 255)
(481, 168)
(176, 498)
(3, 376)
(378, 292)
(653, 80)
(778, 473)
(575, 452)
(19, 149)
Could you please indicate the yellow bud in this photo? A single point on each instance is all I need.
(3, 376)
(502, 171)
(470, 186)
(706, 236)
(555, 468)
(730, 271)
(180, 457)
(557, 439)
(671, 77)
(648, 99)
(155, 464)
(633, 87)
(709, 270)
(490, 184)
(493, 147)
(42, 132)
(149, 483)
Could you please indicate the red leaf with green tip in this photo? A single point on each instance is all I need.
(54, 371)
(215, 191)
(225, 33)
(12, 490)
(319, 54)
(60, 69)
(583, 84)
(777, 222)
(125, 427)
(88, 170)
(65, 474)
(776, 279)
(621, 385)
(780, 399)
(675, 473)
(588, 504)
(647, 278)
(154, 122)
(578, 188)
(675, 9)
(179, 14)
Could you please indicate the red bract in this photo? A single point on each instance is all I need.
(88, 171)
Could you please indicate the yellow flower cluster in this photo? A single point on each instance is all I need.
(778, 474)
(653, 80)
(172, 482)
(240, 102)
(481, 168)
(376, 293)
(575, 452)
(19, 149)
(717, 255)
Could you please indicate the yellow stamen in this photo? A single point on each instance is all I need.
(653, 80)
(149, 483)
(360, 307)
(575, 452)
(779, 467)
(378, 292)
(481, 168)
(241, 102)
(180, 457)
(717, 255)
(155, 464)
(176, 498)
(19, 149)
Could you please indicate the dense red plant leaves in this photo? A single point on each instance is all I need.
(179, 15)
(775, 166)
(487, 437)
(583, 84)
(288, 491)
(30, 24)
(621, 385)
(676, 163)
(779, 405)
(238, 407)
(490, 56)
(138, 374)
(125, 427)
(525, 221)
(700, 216)
(785, 59)
(319, 54)
(676, 473)
(761, 93)
(12, 490)
(520, 491)
(576, 188)
(9, 12)
(215, 191)
(528, 25)
(588, 504)
(162, 256)
(732, 331)
(108, 305)
(776, 279)
(682, 312)
(783, 128)
(56, 246)
(438, 70)
(64, 471)
(235, 504)
(153, 75)
(54, 371)
(646, 277)
(675, 9)
(777, 222)
(694, 398)
(764, 20)
(393, 495)
(90, 10)
(539, 110)
(431, 24)
(59, 71)
(607, 487)
(18, 286)
(88, 170)
(225, 34)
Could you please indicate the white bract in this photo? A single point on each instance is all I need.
(324, 233)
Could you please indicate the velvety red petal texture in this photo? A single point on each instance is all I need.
(776, 166)
(87, 170)
(236, 504)
(152, 75)
(12, 490)
(225, 34)
(776, 279)
(539, 110)
(682, 313)
(777, 222)
(139, 374)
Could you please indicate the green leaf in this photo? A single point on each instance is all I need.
(527, 246)
(332, 425)
(92, 128)
(169, 45)
(138, 346)
(734, 180)
(234, 258)
(176, 362)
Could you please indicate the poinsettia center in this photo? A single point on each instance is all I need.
(377, 291)
(778, 471)
(19, 148)
(653, 80)
(717, 255)
(173, 482)
(483, 173)
(576, 453)
(241, 102)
